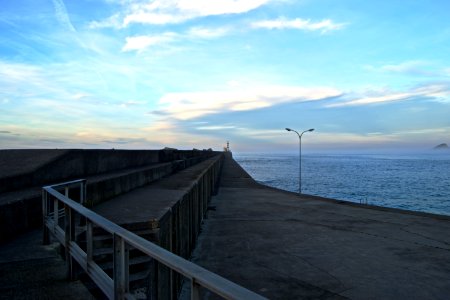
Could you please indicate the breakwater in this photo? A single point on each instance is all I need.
(109, 173)
(276, 243)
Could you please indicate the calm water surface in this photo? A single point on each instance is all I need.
(413, 182)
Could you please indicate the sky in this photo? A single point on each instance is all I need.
(134, 74)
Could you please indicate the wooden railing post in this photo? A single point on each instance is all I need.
(55, 214)
(121, 268)
(69, 235)
(45, 232)
(83, 192)
(89, 243)
(195, 290)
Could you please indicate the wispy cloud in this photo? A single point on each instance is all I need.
(161, 12)
(416, 68)
(218, 127)
(190, 105)
(130, 103)
(176, 133)
(411, 67)
(125, 141)
(423, 131)
(298, 23)
(144, 42)
(61, 15)
(65, 97)
(157, 113)
(79, 96)
(351, 138)
(439, 92)
(17, 71)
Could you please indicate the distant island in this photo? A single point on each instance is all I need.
(443, 146)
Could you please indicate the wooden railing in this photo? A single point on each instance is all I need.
(62, 217)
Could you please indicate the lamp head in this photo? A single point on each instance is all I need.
(288, 129)
(312, 129)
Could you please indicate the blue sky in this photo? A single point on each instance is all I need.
(367, 75)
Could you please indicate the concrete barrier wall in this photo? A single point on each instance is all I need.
(77, 163)
(105, 189)
(21, 210)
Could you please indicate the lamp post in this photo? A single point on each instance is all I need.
(300, 156)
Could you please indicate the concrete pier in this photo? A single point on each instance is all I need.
(275, 243)
(285, 246)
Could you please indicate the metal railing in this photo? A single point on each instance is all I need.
(57, 206)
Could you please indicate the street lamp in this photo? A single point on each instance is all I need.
(300, 156)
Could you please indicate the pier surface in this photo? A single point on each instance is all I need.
(30, 270)
(285, 246)
(279, 244)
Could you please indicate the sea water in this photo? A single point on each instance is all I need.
(414, 182)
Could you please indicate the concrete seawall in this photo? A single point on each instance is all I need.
(109, 173)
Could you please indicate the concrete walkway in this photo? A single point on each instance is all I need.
(283, 246)
(29, 270)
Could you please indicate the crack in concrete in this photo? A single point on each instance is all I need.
(316, 267)
(423, 236)
(369, 219)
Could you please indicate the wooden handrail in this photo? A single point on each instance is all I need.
(117, 288)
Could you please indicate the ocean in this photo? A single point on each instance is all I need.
(414, 182)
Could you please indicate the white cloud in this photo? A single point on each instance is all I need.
(142, 17)
(298, 23)
(113, 21)
(142, 42)
(160, 12)
(207, 33)
(222, 127)
(186, 106)
(440, 92)
(218, 7)
(79, 96)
